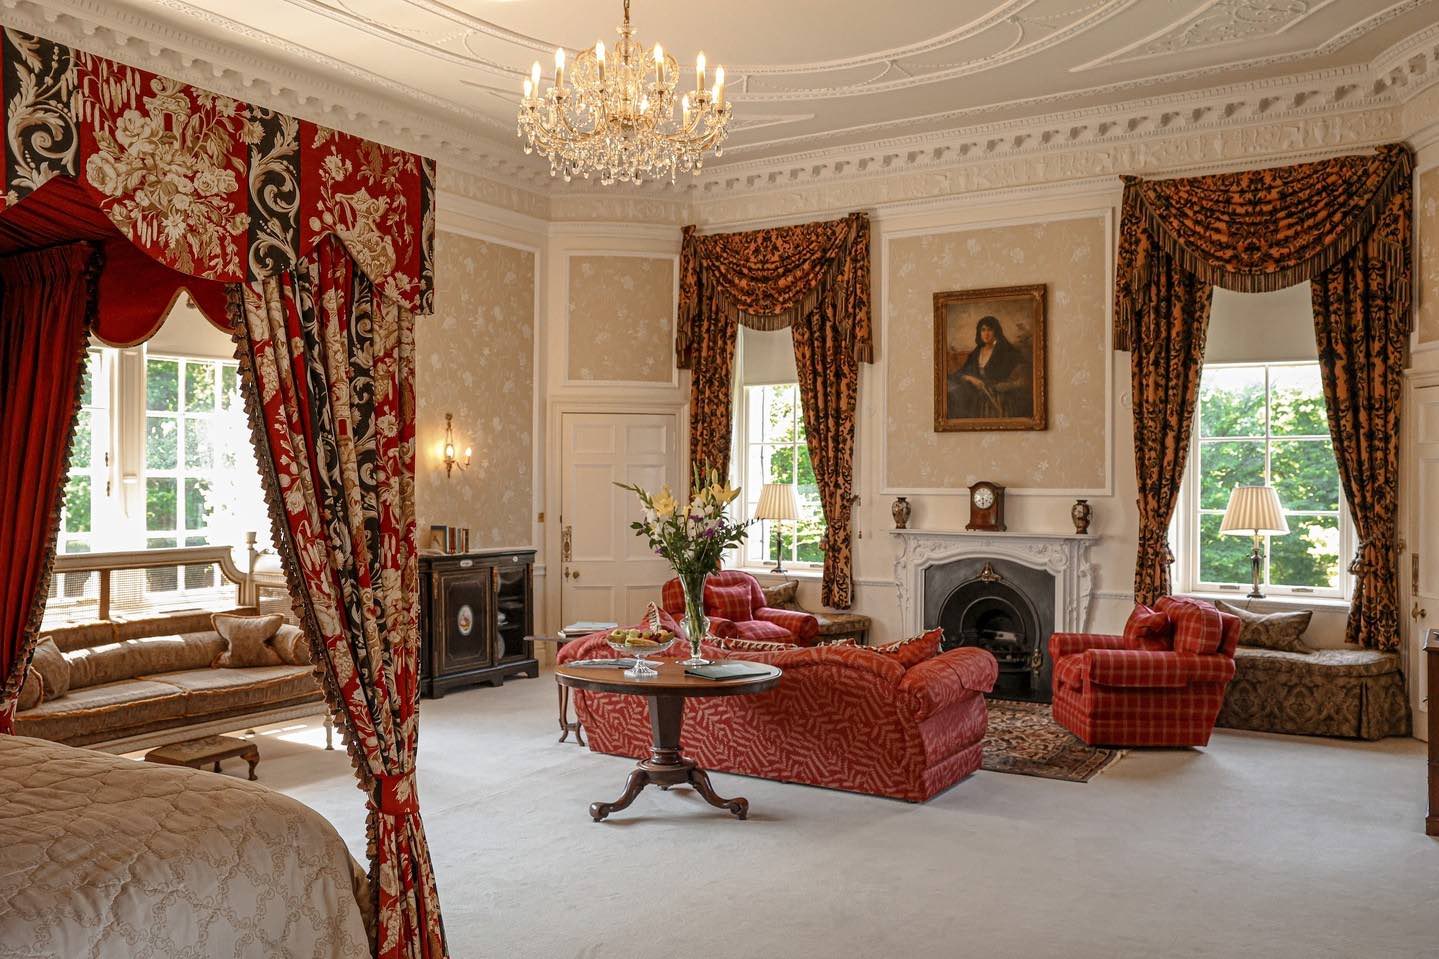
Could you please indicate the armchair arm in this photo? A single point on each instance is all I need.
(803, 625)
(1067, 644)
(949, 678)
(1138, 667)
(722, 628)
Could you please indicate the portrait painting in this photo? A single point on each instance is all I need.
(989, 363)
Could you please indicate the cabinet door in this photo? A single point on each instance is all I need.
(512, 601)
(463, 612)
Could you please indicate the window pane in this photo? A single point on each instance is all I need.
(1231, 402)
(1296, 402)
(781, 464)
(199, 387)
(162, 385)
(1308, 556)
(1305, 474)
(1224, 465)
(80, 446)
(161, 448)
(199, 451)
(196, 495)
(77, 505)
(779, 416)
(229, 386)
(87, 382)
(1222, 559)
(199, 577)
(160, 504)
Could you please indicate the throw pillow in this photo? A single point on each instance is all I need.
(729, 602)
(292, 646)
(1281, 631)
(1197, 626)
(1149, 629)
(53, 667)
(736, 645)
(912, 651)
(781, 595)
(32, 692)
(249, 640)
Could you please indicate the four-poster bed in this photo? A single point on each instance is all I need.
(312, 248)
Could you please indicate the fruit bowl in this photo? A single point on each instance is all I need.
(640, 643)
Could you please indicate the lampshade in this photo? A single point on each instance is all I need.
(777, 501)
(1254, 509)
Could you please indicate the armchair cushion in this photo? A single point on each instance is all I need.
(757, 630)
(1149, 629)
(803, 626)
(1198, 627)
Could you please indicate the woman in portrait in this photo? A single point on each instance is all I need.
(994, 382)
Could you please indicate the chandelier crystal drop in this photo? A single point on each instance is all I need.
(618, 114)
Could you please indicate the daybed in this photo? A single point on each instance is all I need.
(1356, 693)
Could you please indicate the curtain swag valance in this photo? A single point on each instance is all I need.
(1264, 230)
(207, 185)
(768, 279)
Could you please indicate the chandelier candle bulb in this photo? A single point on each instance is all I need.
(535, 75)
(600, 58)
(560, 68)
(660, 64)
(719, 87)
(700, 73)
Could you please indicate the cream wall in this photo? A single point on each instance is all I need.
(620, 319)
(1427, 314)
(475, 358)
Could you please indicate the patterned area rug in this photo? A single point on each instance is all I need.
(1025, 741)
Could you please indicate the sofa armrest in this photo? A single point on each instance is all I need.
(1067, 644)
(803, 625)
(949, 678)
(1142, 668)
(592, 646)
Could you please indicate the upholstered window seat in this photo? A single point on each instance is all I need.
(1356, 693)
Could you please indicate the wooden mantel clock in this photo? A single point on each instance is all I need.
(986, 507)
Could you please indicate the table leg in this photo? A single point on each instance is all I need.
(564, 711)
(253, 758)
(666, 766)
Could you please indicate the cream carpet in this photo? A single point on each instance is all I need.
(1258, 846)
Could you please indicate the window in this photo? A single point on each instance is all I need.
(85, 486)
(774, 450)
(1265, 424)
(196, 436)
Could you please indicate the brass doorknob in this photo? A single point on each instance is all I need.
(1418, 613)
(575, 574)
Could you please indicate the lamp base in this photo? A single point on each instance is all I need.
(778, 555)
(1256, 567)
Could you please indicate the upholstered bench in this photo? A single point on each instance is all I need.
(833, 626)
(1356, 693)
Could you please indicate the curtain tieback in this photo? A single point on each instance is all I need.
(397, 796)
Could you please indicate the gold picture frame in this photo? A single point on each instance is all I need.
(995, 380)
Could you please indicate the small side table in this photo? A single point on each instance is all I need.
(566, 727)
(197, 753)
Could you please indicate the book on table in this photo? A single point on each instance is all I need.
(584, 627)
(732, 670)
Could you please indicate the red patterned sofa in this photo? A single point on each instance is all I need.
(735, 605)
(1160, 684)
(841, 717)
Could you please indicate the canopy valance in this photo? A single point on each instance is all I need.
(206, 185)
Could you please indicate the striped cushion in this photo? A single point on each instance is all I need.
(1198, 627)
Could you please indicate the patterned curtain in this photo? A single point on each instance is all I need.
(47, 306)
(1346, 225)
(328, 370)
(813, 278)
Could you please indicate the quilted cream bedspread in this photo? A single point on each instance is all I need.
(102, 856)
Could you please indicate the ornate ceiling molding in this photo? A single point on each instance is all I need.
(1218, 23)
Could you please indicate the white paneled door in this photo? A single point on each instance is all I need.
(1423, 539)
(609, 573)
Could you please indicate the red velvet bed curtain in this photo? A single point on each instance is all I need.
(47, 306)
(329, 373)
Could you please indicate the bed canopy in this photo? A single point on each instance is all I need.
(312, 249)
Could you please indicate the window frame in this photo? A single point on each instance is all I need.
(1185, 527)
(761, 532)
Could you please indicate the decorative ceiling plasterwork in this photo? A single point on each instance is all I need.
(1218, 22)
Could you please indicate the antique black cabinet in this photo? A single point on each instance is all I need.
(475, 611)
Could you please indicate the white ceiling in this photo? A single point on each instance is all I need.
(806, 75)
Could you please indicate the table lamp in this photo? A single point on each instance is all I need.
(777, 503)
(1254, 510)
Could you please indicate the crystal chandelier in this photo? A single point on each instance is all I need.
(617, 115)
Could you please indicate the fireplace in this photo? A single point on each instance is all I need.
(1005, 592)
(1001, 606)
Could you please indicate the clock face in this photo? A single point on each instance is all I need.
(984, 497)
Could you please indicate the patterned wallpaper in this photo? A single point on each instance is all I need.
(476, 360)
(1427, 320)
(621, 318)
(1068, 256)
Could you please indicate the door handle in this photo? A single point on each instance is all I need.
(1418, 613)
(572, 573)
(566, 552)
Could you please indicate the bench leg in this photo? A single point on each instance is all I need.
(329, 731)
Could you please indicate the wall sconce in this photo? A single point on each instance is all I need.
(451, 461)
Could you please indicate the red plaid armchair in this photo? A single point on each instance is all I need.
(1160, 684)
(734, 603)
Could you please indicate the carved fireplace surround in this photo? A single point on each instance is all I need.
(1064, 555)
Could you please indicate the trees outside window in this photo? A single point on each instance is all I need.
(1265, 424)
(775, 451)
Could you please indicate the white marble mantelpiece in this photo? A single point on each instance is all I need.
(1066, 555)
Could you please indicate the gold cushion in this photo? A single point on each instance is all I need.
(32, 691)
(223, 690)
(109, 707)
(75, 636)
(1281, 631)
(53, 668)
(171, 624)
(137, 657)
(249, 640)
(293, 647)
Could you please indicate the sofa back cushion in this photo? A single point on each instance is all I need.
(73, 636)
(146, 656)
(730, 602)
(173, 624)
(1149, 629)
(1198, 626)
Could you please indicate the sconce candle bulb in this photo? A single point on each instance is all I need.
(450, 460)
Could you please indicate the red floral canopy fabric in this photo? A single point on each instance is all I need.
(209, 186)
